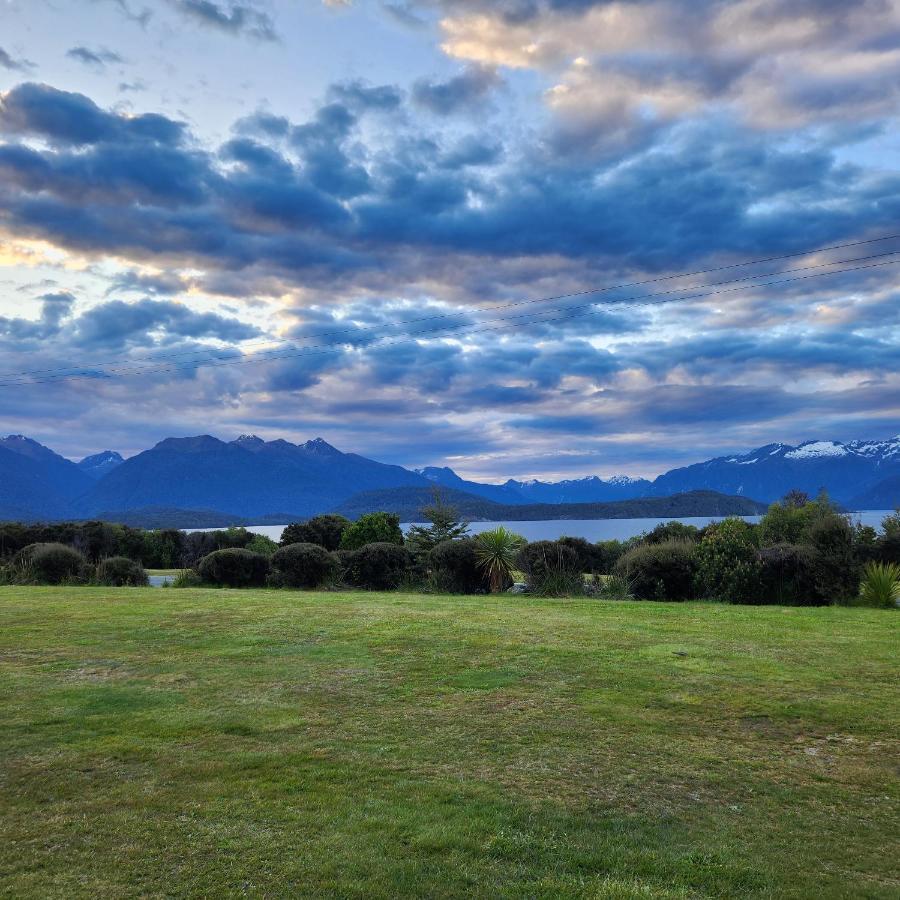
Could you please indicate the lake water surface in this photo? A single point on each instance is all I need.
(591, 529)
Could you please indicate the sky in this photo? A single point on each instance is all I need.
(299, 218)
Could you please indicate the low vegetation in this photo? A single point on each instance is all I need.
(802, 553)
(273, 743)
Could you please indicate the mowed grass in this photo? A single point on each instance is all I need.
(202, 743)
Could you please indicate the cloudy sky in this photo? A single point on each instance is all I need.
(301, 218)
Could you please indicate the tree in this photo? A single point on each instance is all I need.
(325, 530)
(727, 562)
(795, 498)
(372, 528)
(445, 526)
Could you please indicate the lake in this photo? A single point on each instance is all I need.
(591, 529)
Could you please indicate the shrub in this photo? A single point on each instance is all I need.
(119, 571)
(836, 565)
(497, 551)
(589, 555)
(303, 566)
(608, 553)
(187, 578)
(165, 549)
(888, 545)
(372, 528)
(261, 544)
(616, 587)
(197, 544)
(234, 568)
(672, 531)
(880, 585)
(325, 530)
(786, 523)
(48, 564)
(381, 566)
(455, 567)
(787, 575)
(551, 569)
(727, 562)
(660, 571)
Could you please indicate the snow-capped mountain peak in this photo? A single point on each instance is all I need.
(817, 450)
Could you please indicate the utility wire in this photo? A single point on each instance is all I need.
(202, 353)
(508, 323)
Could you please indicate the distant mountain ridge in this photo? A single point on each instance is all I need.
(846, 471)
(407, 503)
(581, 490)
(253, 480)
(246, 478)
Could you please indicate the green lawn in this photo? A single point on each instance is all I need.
(273, 744)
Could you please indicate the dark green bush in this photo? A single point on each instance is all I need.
(166, 548)
(189, 549)
(660, 571)
(119, 571)
(588, 554)
(672, 531)
(888, 547)
(303, 566)
(49, 564)
(95, 540)
(261, 544)
(372, 528)
(787, 575)
(234, 568)
(455, 569)
(608, 553)
(325, 530)
(727, 562)
(837, 567)
(551, 569)
(381, 566)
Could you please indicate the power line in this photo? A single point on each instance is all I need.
(201, 353)
(651, 300)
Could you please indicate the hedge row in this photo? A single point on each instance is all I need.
(800, 553)
(378, 566)
(60, 564)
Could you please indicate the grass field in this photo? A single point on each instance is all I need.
(227, 744)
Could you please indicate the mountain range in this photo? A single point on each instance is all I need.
(203, 478)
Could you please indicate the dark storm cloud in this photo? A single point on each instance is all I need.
(39, 110)
(115, 324)
(472, 151)
(835, 350)
(327, 164)
(338, 206)
(54, 308)
(458, 93)
(263, 124)
(166, 283)
(363, 97)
